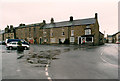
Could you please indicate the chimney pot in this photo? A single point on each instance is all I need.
(96, 15)
(71, 18)
(52, 20)
(44, 21)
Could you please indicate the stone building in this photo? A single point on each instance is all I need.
(101, 38)
(72, 31)
(109, 38)
(116, 37)
(1, 35)
(9, 33)
(30, 33)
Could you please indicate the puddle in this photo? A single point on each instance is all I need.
(67, 49)
(75, 48)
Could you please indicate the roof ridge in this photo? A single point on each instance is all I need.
(71, 21)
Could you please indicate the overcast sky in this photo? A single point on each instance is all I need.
(14, 12)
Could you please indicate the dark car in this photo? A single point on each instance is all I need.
(2, 43)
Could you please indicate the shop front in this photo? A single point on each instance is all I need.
(86, 39)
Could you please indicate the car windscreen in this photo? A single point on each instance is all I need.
(25, 43)
(14, 43)
(13, 40)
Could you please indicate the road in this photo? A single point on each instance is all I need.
(71, 62)
(89, 63)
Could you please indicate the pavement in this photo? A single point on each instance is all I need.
(70, 62)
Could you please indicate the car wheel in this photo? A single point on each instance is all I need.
(25, 48)
(10, 48)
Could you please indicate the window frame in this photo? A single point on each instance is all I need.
(51, 33)
(72, 39)
(72, 32)
(88, 31)
(63, 33)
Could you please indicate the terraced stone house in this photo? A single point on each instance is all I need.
(80, 31)
(9, 33)
(116, 37)
(74, 31)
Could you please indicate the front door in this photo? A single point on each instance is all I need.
(40, 40)
(79, 40)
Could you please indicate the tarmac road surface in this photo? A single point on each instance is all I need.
(70, 62)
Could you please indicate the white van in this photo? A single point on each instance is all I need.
(13, 44)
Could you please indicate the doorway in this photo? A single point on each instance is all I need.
(40, 40)
(79, 40)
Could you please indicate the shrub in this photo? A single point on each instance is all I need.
(19, 43)
(66, 41)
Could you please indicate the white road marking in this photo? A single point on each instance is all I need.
(107, 61)
(47, 65)
(46, 73)
(18, 70)
(46, 69)
(49, 79)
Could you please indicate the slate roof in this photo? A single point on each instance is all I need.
(30, 25)
(116, 33)
(87, 21)
(71, 23)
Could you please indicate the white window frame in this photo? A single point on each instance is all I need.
(52, 40)
(62, 33)
(44, 34)
(72, 39)
(87, 31)
(45, 40)
(51, 33)
(72, 32)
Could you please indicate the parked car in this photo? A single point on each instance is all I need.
(14, 45)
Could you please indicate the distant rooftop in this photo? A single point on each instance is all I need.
(109, 35)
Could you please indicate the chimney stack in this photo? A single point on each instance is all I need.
(44, 22)
(71, 18)
(8, 26)
(52, 20)
(96, 15)
(21, 24)
(11, 26)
